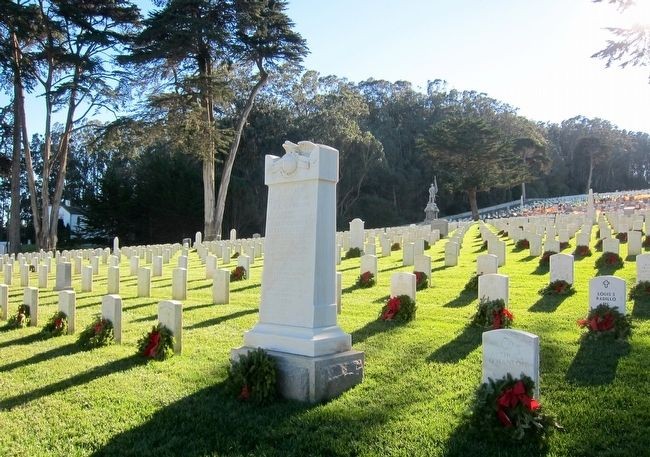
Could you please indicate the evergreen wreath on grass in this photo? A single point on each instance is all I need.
(157, 344)
(564, 245)
(234, 255)
(545, 259)
(559, 287)
(582, 251)
(366, 279)
(472, 284)
(492, 314)
(640, 291)
(57, 325)
(421, 280)
(398, 309)
(609, 260)
(606, 321)
(238, 273)
(427, 245)
(622, 237)
(20, 319)
(505, 409)
(99, 333)
(395, 247)
(353, 253)
(253, 378)
(522, 244)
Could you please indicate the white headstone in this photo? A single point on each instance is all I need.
(4, 302)
(403, 283)
(30, 298)
(607, 290)
(423, 264)
(63, 276)
(157, 266)
(642, 268)
(493, 287)
(245, 261)
(8, 274)
(498, 248)
(233, 234)
(112, 310)
(298, 299)
(67, 304)
(561, 268)
(356, 233)
(611, 245)
(634, 246)
(511, 351)
(86, 278)
(113, 281)
(116, 245)
(369, 263)
(144, 282)
(339, 291)
(134, 264)
(179, 284)
(221, 287)
(170, 314)
(551, 245)
(487, 264)
(451, 254)
(409, 254)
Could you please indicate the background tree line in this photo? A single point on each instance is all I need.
(212, 86)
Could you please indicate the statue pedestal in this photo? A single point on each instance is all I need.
(431, 211)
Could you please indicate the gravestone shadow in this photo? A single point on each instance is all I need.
(220, 319)
(464, 298)
(540, 270)
(77, 380)
(372, 328)
(640, 310)
(527, 258)
(68, 349)
(22, 340)
(547, 303)
(596, 361)
(460, 347)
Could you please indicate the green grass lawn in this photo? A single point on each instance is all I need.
(420, 378)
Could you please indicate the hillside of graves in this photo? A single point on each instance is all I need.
(420, 378)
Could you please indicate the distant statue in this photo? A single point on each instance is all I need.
(433, 190)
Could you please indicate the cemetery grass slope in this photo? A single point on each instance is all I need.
(420, 378)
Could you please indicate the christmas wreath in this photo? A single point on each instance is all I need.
(57, 325)
(20, 319)
(545, 259)
(606, 321)
(492, 314)
(98, 333)
(582, 251)
(158, 344)
(609, 260)
(366, 279)
(395, 247)
(238, 273)
(622, 237)
(253, 377)
(353, 252)
(522, 244)
(398, 309)
(559, 287)
(421, 280)
(640, 291)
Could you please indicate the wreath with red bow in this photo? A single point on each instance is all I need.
(606, 321)
(493, 314)
(158, 344)
(398, 309)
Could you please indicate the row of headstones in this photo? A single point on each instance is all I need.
(454, 244)
(170, 312)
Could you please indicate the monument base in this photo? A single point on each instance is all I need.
(313, 379)
(310, 342)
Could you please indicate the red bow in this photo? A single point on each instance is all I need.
(392, 309)
(99, 326)
(154, 340)
(510, 398)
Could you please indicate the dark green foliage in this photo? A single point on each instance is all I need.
(20, 319)
(604, 321)
(366, 279)
(253, 377)
(558, 287)
(98, 333)
(609, 261)
(492, 314)
(353, 253)
(640, 291)
(523, 420)
(57, 325)
(400, 309)
(158, 344)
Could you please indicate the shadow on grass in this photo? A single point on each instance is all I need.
(372, 328)
(460, 347)
(469, 439)
(252, 286)
(77, 380)
(383, 299)
(547, 303)
(348, 269)
(641, 309)
(441, 267)
(141, 305)
(596, 361)
(20, 341)
(465, 298)
(540, 270)
(210, 422)
(349, 289)
(68, 349)
(392, 268)
(220, 319)
(607, 271)
(153, 317)
(527, 258)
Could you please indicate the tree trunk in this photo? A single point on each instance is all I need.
(523, 191)
(209, 206)
(591, 170)
(227, 167)
(471, 195)
(13, 232)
